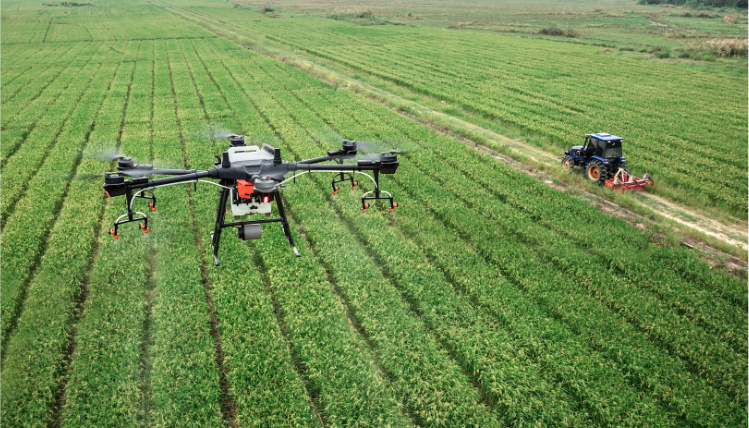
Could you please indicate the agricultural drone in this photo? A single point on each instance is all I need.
(250, 178)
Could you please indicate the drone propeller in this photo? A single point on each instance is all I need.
(213, 132)
(374, 147)
(88, 177)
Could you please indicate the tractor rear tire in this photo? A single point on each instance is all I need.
(566, 163)
(597, 172)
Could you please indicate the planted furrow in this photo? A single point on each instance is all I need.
(379, 403)
(713, 357)
(104, 387)
(516, 214)
(63, 295)
(613, 249)
(458, 332)
(25, 232)
(31, 116)
(405, 357)
(25, 162)
(32, 86)
(593, 402)
(249, 332)
(180, 309)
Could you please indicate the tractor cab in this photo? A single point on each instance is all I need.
(604, 146)
(600, 156)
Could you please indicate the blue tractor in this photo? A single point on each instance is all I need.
(601, 158)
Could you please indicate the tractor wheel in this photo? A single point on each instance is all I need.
(597, 172)
(567, 163)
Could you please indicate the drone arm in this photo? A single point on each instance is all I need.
(183, 177)
(385, 167)
(115, 184)
(317, 160)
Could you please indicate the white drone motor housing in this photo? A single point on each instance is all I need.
(240, 204)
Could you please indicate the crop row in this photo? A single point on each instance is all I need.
(614, 244)
(421, 276)
(357, 280)
(514, 218)
(474, 301)
(538, 108)
(32, 217)
(528, 104)
(641, 341)
(336, 362)
(42, 110)
(35, 355)
(43, 136)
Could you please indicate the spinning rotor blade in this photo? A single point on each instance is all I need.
(140, 171)
(88, 177)
(214, 131)
(368, 147)
(110, 153)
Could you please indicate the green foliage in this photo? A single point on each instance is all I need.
(738, 4)
(486, 298)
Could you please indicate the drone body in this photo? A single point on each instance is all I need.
(250, 179)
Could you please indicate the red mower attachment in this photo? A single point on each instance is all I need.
(624, 181)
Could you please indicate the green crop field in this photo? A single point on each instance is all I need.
(687, 128)
(486, 299)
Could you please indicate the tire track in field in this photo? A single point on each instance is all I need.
(228, 405)
(314, 396)
(351, 314)
(46, 32)
(148, 341)
(60, 395)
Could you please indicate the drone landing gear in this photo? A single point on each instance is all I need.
(343, 176)
(244, 231)
(378, 195)
(131, 214)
